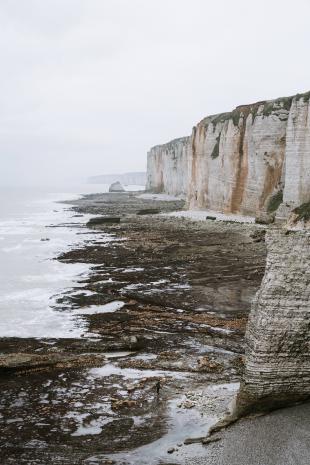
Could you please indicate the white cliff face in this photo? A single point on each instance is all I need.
(167, 167)
(277, 368)
(297, 155)
(252, 160)
(243, 162)
(235, 162)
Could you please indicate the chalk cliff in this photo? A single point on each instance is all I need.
(167, 167)
(255, 160)
(246, 161)
(236, 161)
(297, 154)
(277, 365)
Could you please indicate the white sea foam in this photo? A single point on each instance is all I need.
(132, 373)
(132, 270)
(93, 427)
(107, 308)
(11, 249)
(29, 276)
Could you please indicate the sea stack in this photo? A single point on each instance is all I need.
(116, 187)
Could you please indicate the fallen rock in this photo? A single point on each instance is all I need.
(258, 236)
(171, 450)
(207, 440)
(148, 211)
(119, 403)
(203, 440)
(103, 220)
(187, 404)
(206, 364)
(299, 218)
(265, 218)
(221, 424)
(132, 387)
(188, 441)
(23, 363)
(116, 187)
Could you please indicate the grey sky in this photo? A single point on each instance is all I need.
(87, 86)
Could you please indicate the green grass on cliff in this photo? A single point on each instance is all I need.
(284, 102)
(302, 212)
(275, 201)
(243, 111)
(305, 97)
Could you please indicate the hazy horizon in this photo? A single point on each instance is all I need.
(89, 87)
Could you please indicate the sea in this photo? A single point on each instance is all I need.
(35, 227)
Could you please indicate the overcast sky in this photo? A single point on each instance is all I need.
(88, 86)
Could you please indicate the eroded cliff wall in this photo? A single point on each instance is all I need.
(277, 365)
(297, 155)
(236, 159)
(246, 161)
(167, 167)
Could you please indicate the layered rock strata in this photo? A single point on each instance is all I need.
(297, 155)
(277, 365)
(236, 160)
(247, 161)
(167, 167)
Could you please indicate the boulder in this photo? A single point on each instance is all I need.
(23, 362)
(148, 211)
(264, 218)
(299, 218)
(103, 220)
(116, 187)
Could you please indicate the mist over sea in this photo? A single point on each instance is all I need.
(30, 279)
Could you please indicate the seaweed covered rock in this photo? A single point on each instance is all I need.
(300, 217)
(24, 363)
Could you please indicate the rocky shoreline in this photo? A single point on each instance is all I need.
(164, 309)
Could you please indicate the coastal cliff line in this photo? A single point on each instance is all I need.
(255, 161)
(167, 167)
(252, 160)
